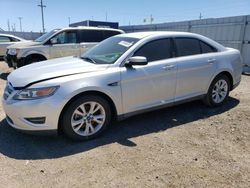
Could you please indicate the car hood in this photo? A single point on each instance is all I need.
(50, 69)
(24, 44)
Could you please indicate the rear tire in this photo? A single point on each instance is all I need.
(86, 118)
(218, 91)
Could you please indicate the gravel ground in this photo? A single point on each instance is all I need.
(189, 145)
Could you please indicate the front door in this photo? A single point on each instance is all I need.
(153, 84)
(65, 44)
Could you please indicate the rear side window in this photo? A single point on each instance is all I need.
(91, 36)
(187, 46)
(155, 50)
(205, 48)
(107, 34)
(4, 39)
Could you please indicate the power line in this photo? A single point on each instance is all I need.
(42, 6)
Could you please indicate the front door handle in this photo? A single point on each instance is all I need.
(168, 67)
(211, 61)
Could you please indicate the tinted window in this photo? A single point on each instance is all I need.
(66, 37)
(108, 34)
(187, 46)
(91, 36)
(205, 48)
(155, 50)
(14, 39)
(4, 39)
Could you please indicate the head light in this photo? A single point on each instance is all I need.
(13, 51)
(35, 93)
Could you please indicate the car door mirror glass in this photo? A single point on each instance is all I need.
(137, 60)
(53, 40)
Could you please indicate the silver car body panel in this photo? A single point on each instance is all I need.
(4, 45)
(132, 89)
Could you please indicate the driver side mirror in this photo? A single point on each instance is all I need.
(53, 41)
(137, 60)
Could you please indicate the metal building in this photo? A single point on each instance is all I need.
(114, 25)
(230, 31)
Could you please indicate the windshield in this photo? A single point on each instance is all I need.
(46, 36)
(108, 51)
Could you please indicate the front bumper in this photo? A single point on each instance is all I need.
(13, 61)
(18, 113)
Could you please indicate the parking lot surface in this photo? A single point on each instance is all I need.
(189, 145)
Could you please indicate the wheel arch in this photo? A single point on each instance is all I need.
(35, 55)
(226, 73)
(85, 93)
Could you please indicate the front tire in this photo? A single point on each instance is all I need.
(218, 91)
(86, 118)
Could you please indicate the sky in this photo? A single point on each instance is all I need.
(126, 12)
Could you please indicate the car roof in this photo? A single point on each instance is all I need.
(152, 34)
(141, 35)
(92, 28)
(8, 35)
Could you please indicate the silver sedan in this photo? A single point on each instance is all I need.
(122, 76)
(7, 40)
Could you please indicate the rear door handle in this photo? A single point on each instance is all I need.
(168, 67)
(211, 61)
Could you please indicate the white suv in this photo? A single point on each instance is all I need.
(57, 43)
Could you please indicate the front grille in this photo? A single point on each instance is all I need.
(8, 90)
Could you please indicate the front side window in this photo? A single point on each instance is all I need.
(65, 37)
(155, 50)
(108, 51)
(187, 46)
(4, 39)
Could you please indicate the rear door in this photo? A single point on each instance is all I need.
(196, 64)
(4, 42)
(67, 44)
(153, 84)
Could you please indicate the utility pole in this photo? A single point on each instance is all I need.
(20, 22)
(42, 6)
(69, 20)
(14, 27)
(106, 16)
(200, 17)
(149, 19)
(8, 23)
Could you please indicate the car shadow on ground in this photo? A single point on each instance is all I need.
(17, 145)
(4, 76)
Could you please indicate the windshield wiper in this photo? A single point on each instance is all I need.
(89, 59)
